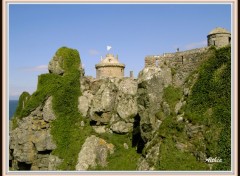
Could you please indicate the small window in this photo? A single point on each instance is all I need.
(229, 39)
(109, 60)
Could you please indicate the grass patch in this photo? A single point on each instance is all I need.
(172, 95)
(173, 159)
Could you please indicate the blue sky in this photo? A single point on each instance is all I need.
(133, 30)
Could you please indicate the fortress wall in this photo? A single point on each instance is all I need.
(150, 61)
(181, 63)
(178, 58)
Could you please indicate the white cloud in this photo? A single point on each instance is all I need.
(39, 68)
(93, 52)
(196, 45)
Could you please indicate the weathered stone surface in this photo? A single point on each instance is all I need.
(180, 118)
(166, 108)
(33, 136)
(93, 152)
(122, 127)
(84, 102)
(178, 106)
(151, 82)
(48, 114)
(127, 107)
(43, 140)
(54, 161)
(55, 65)
(180, 146)
(128, 86)
(143, 165)
(99, 129)
(125, 145)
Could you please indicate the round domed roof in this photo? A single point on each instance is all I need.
(110, 59)
(219, 30)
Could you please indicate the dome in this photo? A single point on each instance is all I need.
(219, 30)
(109, 59)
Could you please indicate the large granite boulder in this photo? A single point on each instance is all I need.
(93, 152)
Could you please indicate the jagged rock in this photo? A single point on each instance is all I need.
(99, 129)
(122, 127)
(128, 86)
(186, 91)
(24, 152)
(54, 161)
(125, 145)
(48, 114)
(180, 146)
(151, 82)
(115, 118)
(180, 118)
(193, 129)
(143, 165)
(32, 136)
(166, 109)
(82, 124)
(178, 106)
(43, 140)
(84, 102)
(55, 65)
(93, 152)
(151, 154)
(127, 107)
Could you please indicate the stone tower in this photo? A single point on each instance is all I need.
(219, 37)
(110, 67)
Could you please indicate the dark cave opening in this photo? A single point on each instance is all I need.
(10, 163)
(137, 140)
(45, 152)
(24, 166)
(93, 123)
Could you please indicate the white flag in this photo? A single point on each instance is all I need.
(109, 47)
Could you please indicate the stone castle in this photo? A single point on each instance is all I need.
(111, 67)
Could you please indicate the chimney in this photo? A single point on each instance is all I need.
(131, 74)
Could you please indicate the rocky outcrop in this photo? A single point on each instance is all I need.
(151, 82)
(93, 152)
(56, 65)
(110, 101)
(31, 142)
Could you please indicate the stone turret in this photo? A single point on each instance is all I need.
(109, 67)
(219, 37)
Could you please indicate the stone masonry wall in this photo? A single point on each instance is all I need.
(180, 63)
(112, 71)
(219, 40)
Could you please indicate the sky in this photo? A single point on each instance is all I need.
(36, 31)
